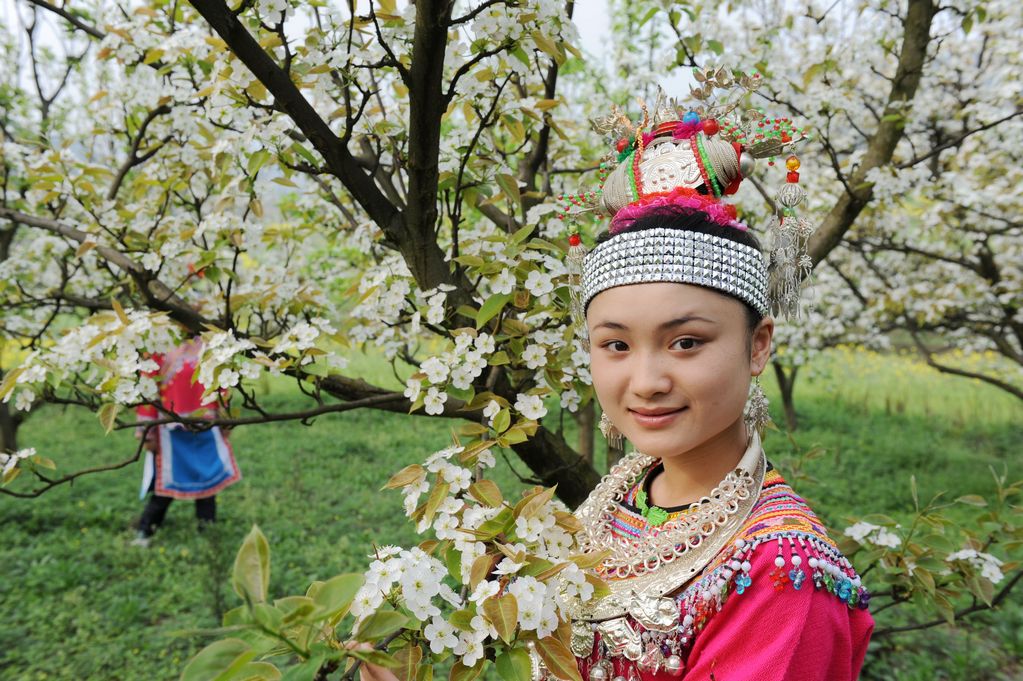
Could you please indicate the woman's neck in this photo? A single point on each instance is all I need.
(690, 476)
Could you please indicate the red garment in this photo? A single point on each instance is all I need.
(765, 634)
(179, 392)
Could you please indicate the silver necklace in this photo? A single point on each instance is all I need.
(677, 537)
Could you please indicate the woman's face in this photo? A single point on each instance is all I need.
(672, 364)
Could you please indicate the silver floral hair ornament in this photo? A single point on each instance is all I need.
(689, 159)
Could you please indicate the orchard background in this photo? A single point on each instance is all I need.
(356, 206)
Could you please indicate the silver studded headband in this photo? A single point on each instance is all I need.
(676, 256)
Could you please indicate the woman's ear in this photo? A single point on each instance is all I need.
(760, 345)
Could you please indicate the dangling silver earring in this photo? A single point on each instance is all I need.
(756, 414)
(613, 436)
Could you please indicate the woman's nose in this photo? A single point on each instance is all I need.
(650, 375)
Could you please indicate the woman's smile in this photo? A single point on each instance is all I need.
(656, 418)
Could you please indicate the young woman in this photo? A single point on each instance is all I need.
(718, 569)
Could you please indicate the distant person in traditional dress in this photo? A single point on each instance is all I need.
(182, 463)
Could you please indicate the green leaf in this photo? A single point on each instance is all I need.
(495, 526)
(218, 660)
(437, 496)
(486, 492)
(514, 665)
(295, 608)
(108, 415)
(715, 46)
(251, 574)
(379, 625)
(257, 160)
(470, 260)
(972, 500)
(377, 657)
(513, 437)
(559, 659)
(510, 186)
(502, 420)
(334, 596)
(9, 381)
(459, 672)
(453, 562)
(306, 671)
(493, 305)
(409, 659)
(259, 671)
(523, 234)
(406, 476)
(462, 619)
(503, 613)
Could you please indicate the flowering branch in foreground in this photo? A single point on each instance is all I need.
(491, 581)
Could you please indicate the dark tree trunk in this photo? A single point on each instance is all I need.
(9, 423)
(584, 419)
(787, 385)
(555, 463)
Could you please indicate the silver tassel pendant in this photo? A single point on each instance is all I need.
(757, 415)
(614, 437)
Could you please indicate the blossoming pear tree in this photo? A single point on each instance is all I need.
(292, 180)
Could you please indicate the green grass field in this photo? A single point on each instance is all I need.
(78, 602)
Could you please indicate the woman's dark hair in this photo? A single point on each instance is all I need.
(687, 219)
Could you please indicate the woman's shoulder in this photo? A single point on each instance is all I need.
(783, 588)
(782, 546)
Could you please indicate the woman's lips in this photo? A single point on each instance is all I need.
(656, 418)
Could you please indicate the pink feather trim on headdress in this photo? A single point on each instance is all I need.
(716, 212)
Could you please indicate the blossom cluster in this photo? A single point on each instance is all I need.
(501, 557)
(8, 462)
(864, 532)
(989, 566)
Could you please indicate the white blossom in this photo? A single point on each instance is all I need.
(434, 401)
(538, 283)
(535, 356)
(530, 406)
(504, 282)
(9, 461)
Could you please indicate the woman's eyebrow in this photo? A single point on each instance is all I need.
(679, 321)
(671, 323)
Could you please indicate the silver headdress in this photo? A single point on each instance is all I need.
(688, 161)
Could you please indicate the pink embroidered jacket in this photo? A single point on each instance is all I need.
(780, 603)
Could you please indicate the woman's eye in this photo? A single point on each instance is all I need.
(687, 343)
(616, 346)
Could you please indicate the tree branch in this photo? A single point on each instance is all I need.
(958, 140)
(156, 293)
(75, 21)
(133, 157)
(959, 614)
(890, 130)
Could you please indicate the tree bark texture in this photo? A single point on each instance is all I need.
(787, 386)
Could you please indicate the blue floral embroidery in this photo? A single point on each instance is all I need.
(844, 590)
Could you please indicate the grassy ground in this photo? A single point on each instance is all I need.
(76, 601)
